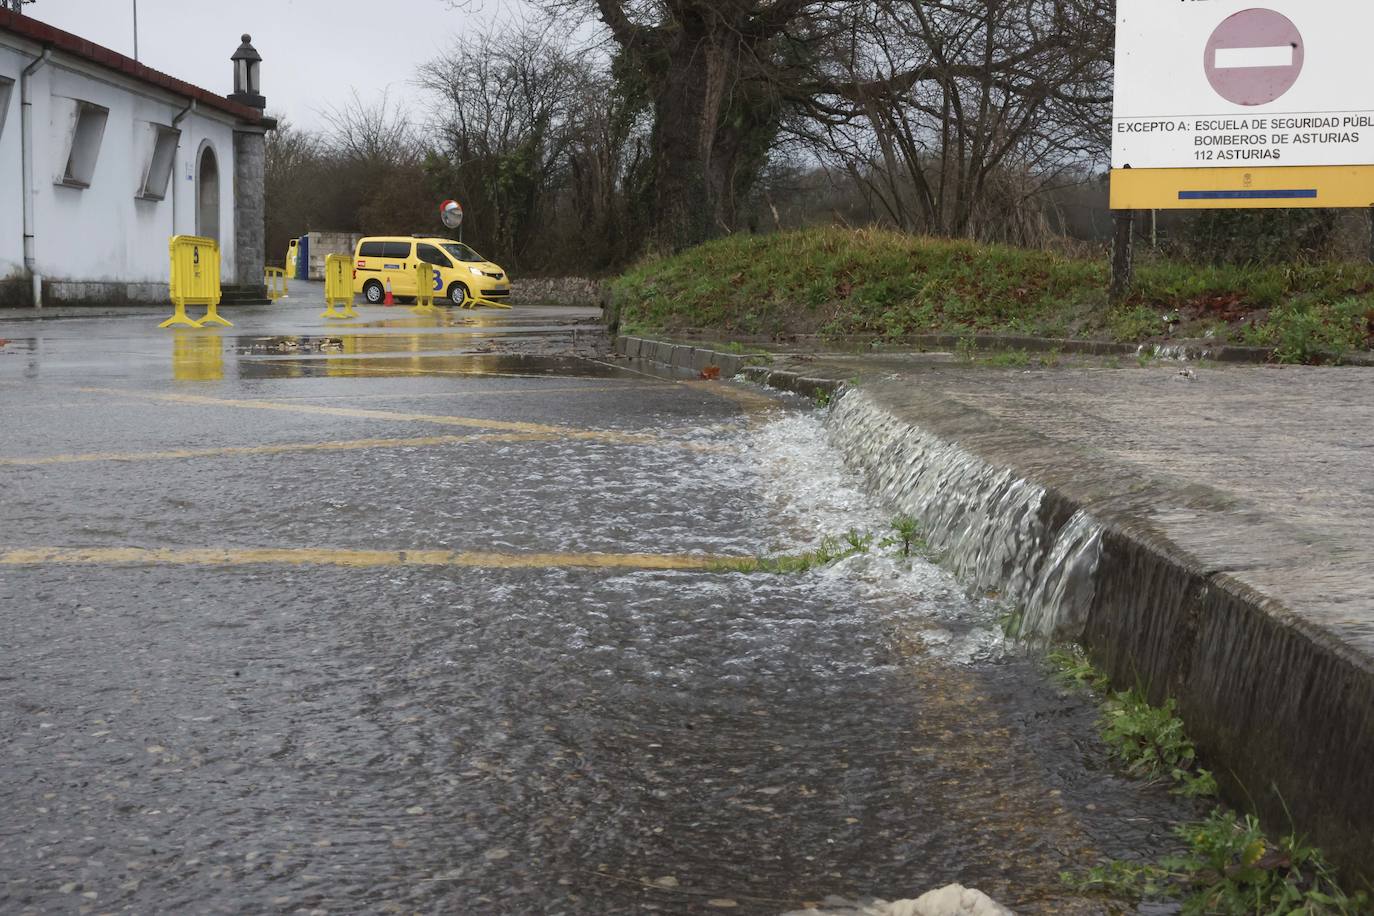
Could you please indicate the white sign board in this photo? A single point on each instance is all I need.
(1243, 83)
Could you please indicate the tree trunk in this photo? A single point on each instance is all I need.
(708, 132)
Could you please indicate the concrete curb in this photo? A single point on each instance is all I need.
(680, 356)
(60, 313)
(1182, 350)
(1282, 709)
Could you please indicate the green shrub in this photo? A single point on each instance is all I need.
(846, 283)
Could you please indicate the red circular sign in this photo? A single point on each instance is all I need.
(1254, 57)
(451, 212)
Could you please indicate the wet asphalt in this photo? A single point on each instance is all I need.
(387, 615)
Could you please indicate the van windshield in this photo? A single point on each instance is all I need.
(462, 252)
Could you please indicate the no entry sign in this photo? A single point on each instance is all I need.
(1254, 57)
(1233, 83)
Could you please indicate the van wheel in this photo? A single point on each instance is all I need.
(373, 292)
(457, 294)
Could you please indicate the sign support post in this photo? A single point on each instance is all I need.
(1123, 254)
(1370, 214)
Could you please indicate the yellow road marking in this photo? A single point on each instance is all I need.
(355, 366)
(564, 432)
(351, 412)
(358, 559)
(235, 450)
(751, 401)
(502, 392)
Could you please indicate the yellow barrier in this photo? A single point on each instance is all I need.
(195, 281)
(274, 278)
(338, 286)
(472, 302)
(424, 289)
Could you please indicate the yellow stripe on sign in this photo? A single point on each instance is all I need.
(356, 559)
(230, 451)
(1266, 187)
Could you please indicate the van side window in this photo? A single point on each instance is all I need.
(396, 250)
(368, 249)
(431, 255)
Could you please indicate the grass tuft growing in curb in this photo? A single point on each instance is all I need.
(906, 540)
(1149, 741)
(1230, 868)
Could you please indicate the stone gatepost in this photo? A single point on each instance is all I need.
(250, 170)
(250, 210)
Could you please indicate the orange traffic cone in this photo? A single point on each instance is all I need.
(390, 299)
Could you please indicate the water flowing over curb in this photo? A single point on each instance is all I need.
(1280, 705)
(988, 524)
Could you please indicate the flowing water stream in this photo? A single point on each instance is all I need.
(986, 522)
(321, 738)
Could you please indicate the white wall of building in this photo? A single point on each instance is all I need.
(105, 233)
(11, 201)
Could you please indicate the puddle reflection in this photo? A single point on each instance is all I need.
(197, 357)
(346, 366)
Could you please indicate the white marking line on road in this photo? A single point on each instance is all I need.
(619, 368)
(1241, 58)
(356, 559)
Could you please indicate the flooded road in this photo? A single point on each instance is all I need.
(410, 615)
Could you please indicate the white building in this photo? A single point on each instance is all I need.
(105, 159)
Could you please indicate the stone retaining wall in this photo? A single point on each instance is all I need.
(556, 291)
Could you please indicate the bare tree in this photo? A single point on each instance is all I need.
(955, 114)
(523, 123)
(712, 72)
(376, 135)
(293, 197)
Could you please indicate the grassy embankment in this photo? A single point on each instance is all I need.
(839, 283)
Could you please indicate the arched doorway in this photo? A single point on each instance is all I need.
(207, 195)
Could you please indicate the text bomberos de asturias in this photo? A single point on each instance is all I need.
(1250, 139)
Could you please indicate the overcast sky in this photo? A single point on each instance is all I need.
(314, 51)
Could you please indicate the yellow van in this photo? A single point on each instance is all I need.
(456, 270)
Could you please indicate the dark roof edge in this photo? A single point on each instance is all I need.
(47, 36)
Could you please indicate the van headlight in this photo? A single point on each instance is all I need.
(476, 272)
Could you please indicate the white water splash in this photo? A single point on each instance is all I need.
(986, 521)
(812, 494)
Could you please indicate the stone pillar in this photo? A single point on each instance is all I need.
(250, 209)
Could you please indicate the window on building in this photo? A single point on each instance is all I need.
(81, 159)
(6, 89)
(159, 171)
